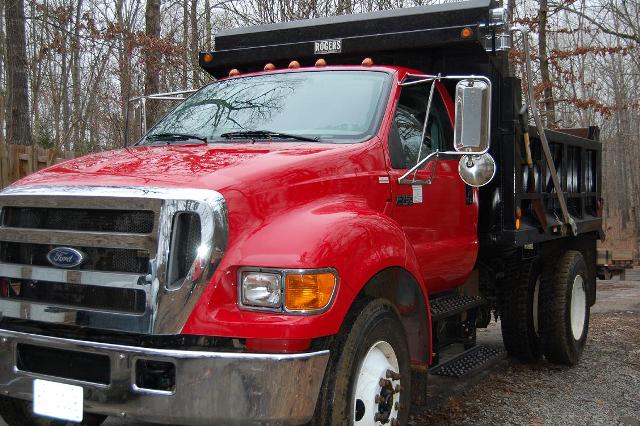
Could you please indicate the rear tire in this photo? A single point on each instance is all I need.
(18, 412)
(565, 309)
(371, 341)
(520, 314)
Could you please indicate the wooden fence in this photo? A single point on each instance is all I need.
(17, 161)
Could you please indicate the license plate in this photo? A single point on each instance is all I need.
(57, 400)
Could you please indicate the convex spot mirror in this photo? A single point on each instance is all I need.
(476, 169)
(473, 116)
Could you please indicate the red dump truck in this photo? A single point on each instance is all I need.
(299, 240)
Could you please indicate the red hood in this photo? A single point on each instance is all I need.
(216, 166)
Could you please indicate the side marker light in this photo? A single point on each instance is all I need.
(466, 33)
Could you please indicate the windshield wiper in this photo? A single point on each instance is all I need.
(266, 134)
(169, 137)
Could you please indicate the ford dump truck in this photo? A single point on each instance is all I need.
(299, 240)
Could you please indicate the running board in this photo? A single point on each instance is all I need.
(467, 362)
(446, 306)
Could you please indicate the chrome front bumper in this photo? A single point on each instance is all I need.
(211, 387)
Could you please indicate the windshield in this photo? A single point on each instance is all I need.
(340, 106)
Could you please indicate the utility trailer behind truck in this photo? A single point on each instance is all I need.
(612, 263)
(301, 239)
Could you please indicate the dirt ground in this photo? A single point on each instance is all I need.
(604, 389)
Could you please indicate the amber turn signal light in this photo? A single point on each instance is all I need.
(308, 292)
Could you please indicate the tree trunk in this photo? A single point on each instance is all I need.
(2, 87)
(151, 68)
(194, 44)
(185, 44)
(66, 108)
(208, 45)
(549, 103)
(17, 102)
(75, 78)
(124, 68)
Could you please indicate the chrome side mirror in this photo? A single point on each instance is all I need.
(476, 169)
(473, 116)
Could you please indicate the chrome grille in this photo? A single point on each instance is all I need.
(126, 236)
(98, 258)
(134, 222)
(87, 296)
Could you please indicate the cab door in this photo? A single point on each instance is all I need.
(439, 218)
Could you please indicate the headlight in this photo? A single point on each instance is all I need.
(261, 289)
(294, 291)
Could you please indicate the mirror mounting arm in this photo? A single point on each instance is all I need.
(434, 156)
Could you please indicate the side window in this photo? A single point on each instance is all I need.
(409, 123)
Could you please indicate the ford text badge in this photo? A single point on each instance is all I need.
(66, 257)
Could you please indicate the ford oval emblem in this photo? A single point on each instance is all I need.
(66, 257)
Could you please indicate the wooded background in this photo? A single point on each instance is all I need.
(68, 67)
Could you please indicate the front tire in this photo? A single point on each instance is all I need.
(368, 380)
(18, 412)
(565, 309)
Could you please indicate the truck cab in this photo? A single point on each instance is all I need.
(298, 240)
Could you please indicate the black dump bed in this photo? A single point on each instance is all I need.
(412, 37)
(429, 38)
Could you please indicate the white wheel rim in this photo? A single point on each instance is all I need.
(578, 307)
(536, 298)
(374, 367)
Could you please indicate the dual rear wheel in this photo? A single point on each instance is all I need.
(546, 310)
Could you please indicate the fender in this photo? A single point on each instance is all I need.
(342, 233)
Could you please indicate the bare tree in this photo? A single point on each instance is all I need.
(549, 103)
(2, 85)
(151, 71)
(17, 104)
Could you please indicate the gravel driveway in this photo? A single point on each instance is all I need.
(604, 389)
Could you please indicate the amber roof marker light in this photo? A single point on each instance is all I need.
(367, 62)
(294, 65)
(321, 63)
(207, 57)
(269, 67)
(234, 72)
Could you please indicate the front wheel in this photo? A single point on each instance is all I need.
(368, 378)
